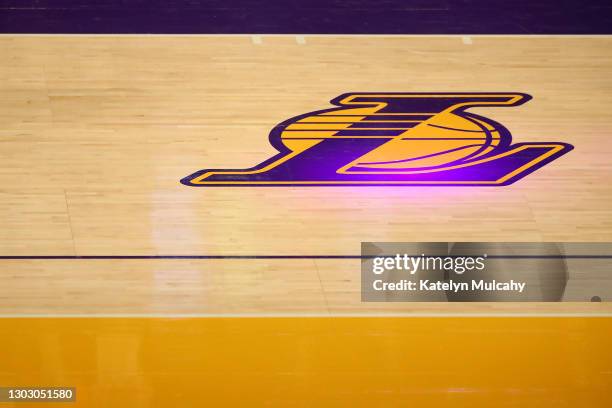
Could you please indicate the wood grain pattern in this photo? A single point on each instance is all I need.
(97, 131)
(221, 287)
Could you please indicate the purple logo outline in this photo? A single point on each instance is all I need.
(343, 146)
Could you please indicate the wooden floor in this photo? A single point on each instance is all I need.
(97, 131)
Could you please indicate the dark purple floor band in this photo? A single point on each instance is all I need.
(306, 16)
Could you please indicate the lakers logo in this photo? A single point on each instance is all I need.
(394, 139)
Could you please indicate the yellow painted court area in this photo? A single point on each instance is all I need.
(313, 361)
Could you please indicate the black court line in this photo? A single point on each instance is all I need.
(128, 257)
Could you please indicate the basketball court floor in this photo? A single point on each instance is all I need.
(139, 291)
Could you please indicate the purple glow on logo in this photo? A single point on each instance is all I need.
(394, 139)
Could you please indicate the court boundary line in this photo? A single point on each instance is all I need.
(271, 257)
(249, 35)
(374, 315)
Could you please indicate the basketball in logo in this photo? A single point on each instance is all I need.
(394, 139)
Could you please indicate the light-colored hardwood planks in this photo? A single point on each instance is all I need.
(245, 287)
(95, 133)
(117, 121)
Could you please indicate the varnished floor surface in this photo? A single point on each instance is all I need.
(305, 362)
(97, 131)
